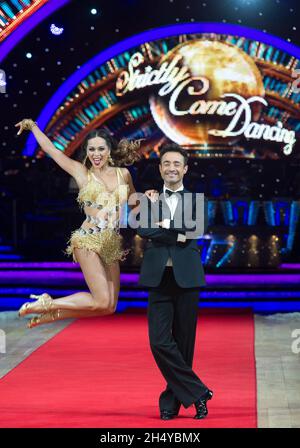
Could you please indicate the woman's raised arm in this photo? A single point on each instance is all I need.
(73, 167)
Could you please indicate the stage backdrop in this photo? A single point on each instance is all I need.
(224, 91)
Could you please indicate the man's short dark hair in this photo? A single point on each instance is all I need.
(173, 147)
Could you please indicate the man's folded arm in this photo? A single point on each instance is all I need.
(161, 235)
(155, 233)
(188, 225)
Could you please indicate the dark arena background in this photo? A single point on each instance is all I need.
(220, 78)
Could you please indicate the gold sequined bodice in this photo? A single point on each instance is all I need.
(102, 207)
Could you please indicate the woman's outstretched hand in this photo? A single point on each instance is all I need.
(26, 124)
(152, 195)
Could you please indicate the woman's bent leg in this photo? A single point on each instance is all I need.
(103, 282)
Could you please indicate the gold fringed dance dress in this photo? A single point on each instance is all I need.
(100, 232)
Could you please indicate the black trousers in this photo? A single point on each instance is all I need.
(172, 321)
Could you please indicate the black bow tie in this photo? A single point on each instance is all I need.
(170, 192)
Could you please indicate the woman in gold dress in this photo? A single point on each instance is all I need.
(96, 246)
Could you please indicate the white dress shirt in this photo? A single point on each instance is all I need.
(172, 202)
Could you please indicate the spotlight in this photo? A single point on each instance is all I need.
(93, 11)
(56, 30)
(28, 55)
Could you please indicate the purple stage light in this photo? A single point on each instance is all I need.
(134, 294)
(40, 265)
(61, 277)
(295, 266)
(252, 279)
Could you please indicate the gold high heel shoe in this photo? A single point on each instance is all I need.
(22, 311)
(43, 318)
(45, 299)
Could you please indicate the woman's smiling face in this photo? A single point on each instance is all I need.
(98, 151)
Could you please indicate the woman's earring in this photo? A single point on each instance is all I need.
(85, 159)
(110, 160)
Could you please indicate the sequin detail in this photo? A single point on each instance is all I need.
(107, 244)
(101, 235)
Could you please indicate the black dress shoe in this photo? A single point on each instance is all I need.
(168, 415)
(200, 405)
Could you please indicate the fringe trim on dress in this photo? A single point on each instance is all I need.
(107, 244)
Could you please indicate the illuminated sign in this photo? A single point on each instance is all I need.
(203, 92)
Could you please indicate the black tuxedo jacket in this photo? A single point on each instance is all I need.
(162, 243)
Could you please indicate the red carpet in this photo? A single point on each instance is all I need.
(99, 372)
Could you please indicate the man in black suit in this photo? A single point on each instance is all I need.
(173, 272)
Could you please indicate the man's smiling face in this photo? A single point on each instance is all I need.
(172, 168)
